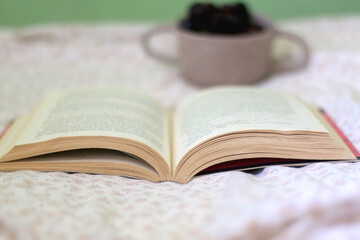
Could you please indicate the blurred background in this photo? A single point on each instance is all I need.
(19, 13)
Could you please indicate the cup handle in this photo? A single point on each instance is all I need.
(146, 40)
(286, 66)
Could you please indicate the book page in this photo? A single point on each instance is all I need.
(228, 109)
(114, 112)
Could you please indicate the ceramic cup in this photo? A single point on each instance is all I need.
(208, 60)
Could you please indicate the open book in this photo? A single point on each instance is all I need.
(90, 130)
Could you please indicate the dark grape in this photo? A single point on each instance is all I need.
(224, 19)
(226, 9)
(201, 11)
(241, 12)
(226, 24)
(200, 14)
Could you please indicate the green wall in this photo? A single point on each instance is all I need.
(26, 12)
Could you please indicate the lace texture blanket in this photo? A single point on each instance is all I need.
(319, 201)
